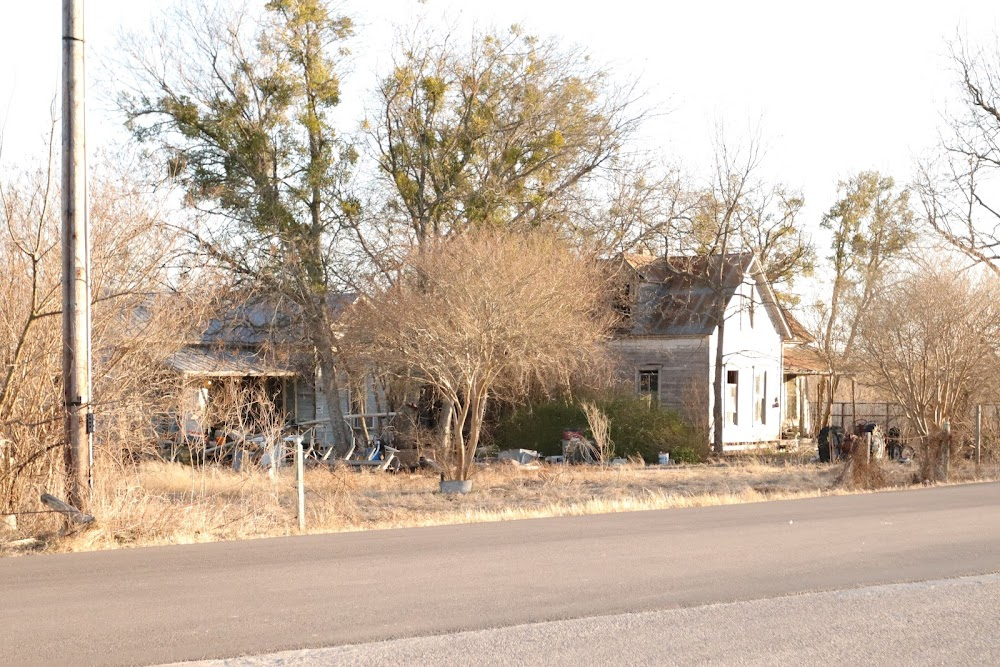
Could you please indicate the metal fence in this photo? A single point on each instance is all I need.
(887, 415)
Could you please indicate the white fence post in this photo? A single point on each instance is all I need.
(300, 482)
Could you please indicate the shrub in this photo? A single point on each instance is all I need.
(636, 429)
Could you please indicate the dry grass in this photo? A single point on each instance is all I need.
(162, 503)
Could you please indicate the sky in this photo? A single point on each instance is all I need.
(832, 88)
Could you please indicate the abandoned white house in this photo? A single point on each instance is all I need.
(259, 348)
(670, 309)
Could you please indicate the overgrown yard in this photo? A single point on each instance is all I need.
(162, 503)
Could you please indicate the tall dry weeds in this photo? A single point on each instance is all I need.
(136, 323)
(861, 471)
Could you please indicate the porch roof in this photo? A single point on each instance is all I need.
(227, 362)
(804, 360)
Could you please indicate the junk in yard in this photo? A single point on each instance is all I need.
(894, 444)
(873, 432)
(830, 441)
(578, 449)
(834, 444)
(521, 456)
(72, 514)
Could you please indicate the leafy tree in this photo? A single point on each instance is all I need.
(872, 225)
(503, 131)
(239, 107)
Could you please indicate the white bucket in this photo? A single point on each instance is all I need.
(664, 458)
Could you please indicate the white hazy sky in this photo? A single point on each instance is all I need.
(835, 87)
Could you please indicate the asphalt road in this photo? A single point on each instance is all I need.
(943, 622)
(157, 605)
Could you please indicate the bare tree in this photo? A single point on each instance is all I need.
(138, 319)
(958, 188)
(933, 347)
(483, 317)
(734, 213)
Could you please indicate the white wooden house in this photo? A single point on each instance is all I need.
(667, 342)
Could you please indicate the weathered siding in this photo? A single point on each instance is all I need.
(324, 432)
(305, 400)
(683, 367)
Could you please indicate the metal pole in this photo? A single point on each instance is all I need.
(300, 482)
(854, 402)
(75, 277)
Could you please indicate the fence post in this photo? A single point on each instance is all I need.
(300, 482)
(979, 434)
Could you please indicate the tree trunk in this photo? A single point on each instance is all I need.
(444, 421)
(717, 390)
(322, 338)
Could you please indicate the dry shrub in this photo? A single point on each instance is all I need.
(861, 472)
(482, 319)
(135, 325)
(602, 449)
(932, 453)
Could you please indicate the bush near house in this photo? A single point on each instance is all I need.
(636, 429)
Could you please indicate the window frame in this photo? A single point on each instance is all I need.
(648, 372)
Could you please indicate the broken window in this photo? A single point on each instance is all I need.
(760, 398)
(732, 397)
(649, 385)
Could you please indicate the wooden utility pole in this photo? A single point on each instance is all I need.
(979, 434)
(76, 261)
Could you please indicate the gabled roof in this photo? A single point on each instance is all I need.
(802, 359)
(678, 295)
(799, 331)
(261, 337)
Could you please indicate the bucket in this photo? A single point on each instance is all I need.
(456, 486)
(664, 458)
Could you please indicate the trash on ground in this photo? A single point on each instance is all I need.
(522, 456)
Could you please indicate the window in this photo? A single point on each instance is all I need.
(760, 398)
(732, 397)
(649, 385)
